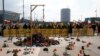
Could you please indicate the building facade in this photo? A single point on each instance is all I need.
(92, 19)
(8, 15)
(65, 15)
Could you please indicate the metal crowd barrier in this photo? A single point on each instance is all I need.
(27, 32)
(46, 32)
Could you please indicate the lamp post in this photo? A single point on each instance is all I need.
(3, 11)
(23, 11)
(43, 13)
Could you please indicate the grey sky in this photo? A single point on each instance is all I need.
(79, 8)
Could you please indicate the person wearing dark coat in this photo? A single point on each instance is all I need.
(94, 28)
(98, 28)
(25, 26)
(69, 29)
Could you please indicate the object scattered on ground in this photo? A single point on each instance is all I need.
(31, 52)
(15, 54)
(70, 46)
(79, 54)
(86, 54)
(66, 40)
(55, 54)
(37, 40)
(15, 51)
(26, 51)
(72, 38)
(26, 48)
(66, 53)
(88, 44)
(82, 47)
(54, 50)
(5, 40)
(83, 41)
(78, 39)
(8, 51)
(5, 45)
(45, 49)
(98, 47)
(19, 50)
(81, 51)
(0, 49)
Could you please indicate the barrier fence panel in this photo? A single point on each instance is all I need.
(21, 32)
(6, 33)
(89, 32)
(47, 32)
(28, 32)
(84, 31)
(13, 32)
(75, 32)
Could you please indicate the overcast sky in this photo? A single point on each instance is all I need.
(80, 9)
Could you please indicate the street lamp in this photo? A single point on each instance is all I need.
(3, 11)
(23, 9)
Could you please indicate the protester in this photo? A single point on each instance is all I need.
(69, 27)
(98, 28)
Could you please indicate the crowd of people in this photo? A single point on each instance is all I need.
(52, 25)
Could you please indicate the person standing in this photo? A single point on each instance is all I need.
(69, 27)
(98, 28)
(94, 27)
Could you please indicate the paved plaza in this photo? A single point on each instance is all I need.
(92, 50)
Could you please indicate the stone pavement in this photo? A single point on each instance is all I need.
(32, 52)
(92, 50)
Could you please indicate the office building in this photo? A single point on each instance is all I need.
(10, 16)
(65, 15)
